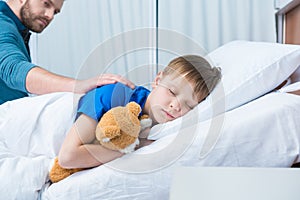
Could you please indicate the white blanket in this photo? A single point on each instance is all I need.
(32, 130)
(264, 132)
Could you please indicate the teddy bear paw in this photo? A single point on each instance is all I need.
(130, 148)
(105, 139)
(146, 123)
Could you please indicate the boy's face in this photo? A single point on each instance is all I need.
(36, 15)
(170, 98)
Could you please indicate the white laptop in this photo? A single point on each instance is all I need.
(229, 183)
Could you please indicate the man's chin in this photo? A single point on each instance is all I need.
(39, 29)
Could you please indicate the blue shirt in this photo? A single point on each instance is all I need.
(15, 61)
(98, 101)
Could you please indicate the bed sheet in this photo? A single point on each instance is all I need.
(262, 133)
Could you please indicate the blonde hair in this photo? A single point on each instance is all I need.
(197, 71)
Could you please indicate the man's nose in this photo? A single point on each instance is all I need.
(49, 14)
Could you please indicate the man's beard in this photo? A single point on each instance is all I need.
(30, 20)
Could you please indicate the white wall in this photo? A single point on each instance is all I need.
(281, 3)
(121, 30)
(83, 26)
(211, 23)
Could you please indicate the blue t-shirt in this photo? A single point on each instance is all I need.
(15, 61)
(98, 101)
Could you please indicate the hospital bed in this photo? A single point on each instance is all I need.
(245, 122)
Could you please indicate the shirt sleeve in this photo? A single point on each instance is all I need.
(14, 63)
(96, 102)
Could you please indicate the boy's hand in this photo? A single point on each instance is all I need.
(144, 142)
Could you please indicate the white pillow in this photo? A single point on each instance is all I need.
(249, 70)
(295, 77)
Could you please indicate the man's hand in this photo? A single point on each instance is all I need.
(41, 81)
(83, 86)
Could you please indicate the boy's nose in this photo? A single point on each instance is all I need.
(175, 105)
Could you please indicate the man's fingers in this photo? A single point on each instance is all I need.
(113, 78)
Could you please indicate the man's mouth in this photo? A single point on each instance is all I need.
(44, 22)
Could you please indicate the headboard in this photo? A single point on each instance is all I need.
(288, 23)
(288, 29)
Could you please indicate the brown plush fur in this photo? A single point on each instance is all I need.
(120, 125)
(58, 173)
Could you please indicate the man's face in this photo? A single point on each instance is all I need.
(36, 15)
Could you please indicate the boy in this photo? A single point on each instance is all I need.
(184, 83)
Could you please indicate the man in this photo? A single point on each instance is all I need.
(18, 76)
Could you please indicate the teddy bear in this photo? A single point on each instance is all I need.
(118, 129)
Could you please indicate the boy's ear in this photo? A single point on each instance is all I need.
(157, 79)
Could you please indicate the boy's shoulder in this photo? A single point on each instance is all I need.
(123, 94)
(118, 93)
(113, 88)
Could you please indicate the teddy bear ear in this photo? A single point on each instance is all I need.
(134, 108)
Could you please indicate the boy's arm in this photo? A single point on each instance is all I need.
(78, 150)
(144, 142)
(143, 138)
(297, 92)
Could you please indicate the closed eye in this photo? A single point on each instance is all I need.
(171, 92)
(188, 106)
